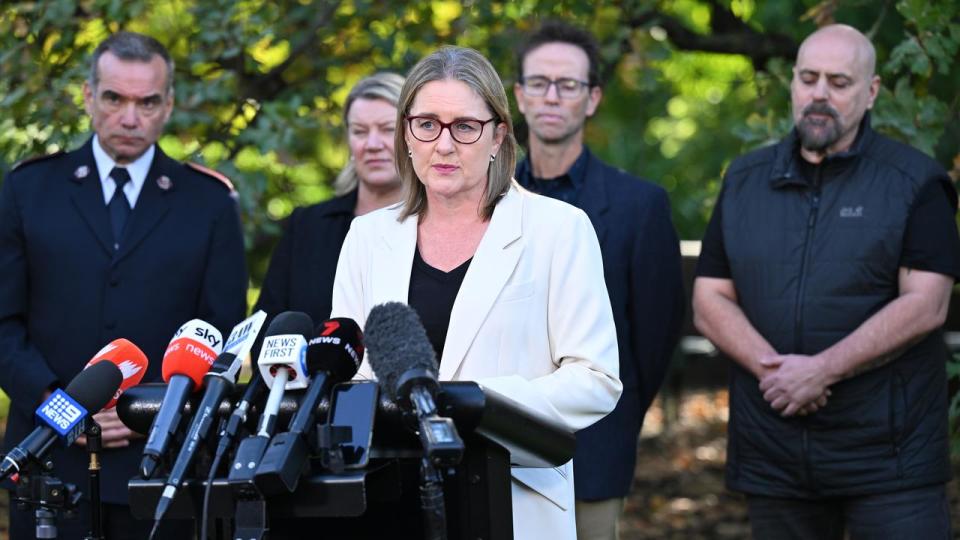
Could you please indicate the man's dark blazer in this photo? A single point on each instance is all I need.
(304, 263)
(65, 292)
(641, 266)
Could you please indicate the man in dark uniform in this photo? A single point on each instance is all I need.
(559, 87)
(112, 240)
(825, 275)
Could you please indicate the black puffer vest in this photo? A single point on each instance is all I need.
(811, 262)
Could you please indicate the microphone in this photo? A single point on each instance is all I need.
(239, 415)
(333, 355)
(126, 356)
(281, 366)
(406, 367)
(219, 381)
(188, 358)
(64, 413)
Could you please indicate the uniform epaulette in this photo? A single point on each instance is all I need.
(35, 159)
(214, 174)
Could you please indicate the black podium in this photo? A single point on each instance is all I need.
(380, 499)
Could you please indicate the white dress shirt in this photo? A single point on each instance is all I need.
(138, 173)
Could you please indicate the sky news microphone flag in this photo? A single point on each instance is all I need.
(188, 357)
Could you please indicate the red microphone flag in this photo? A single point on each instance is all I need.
(192, 351)
(129, 358)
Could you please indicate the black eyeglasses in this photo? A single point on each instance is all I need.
(538, 86)
(463, 130)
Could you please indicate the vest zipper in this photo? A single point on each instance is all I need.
(808, 471)
(801, 289)
(802, 282)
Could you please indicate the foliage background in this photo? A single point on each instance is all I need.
(260, 83)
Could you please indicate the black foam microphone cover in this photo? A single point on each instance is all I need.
(92, 388)
(336, 348)
(290, 322)
(403, 360)
(95, 386)
(397, 343)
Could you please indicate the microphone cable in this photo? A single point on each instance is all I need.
(206, 494)
(206, 500)
(153, 531)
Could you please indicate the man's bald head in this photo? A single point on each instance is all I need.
(834, 85)
(863, 54)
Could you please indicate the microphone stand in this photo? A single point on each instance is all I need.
(46, 494)
(431, 501)
(94, 446)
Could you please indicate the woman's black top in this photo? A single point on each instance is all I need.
(432, 293)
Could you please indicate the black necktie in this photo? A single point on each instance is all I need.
(119, 207)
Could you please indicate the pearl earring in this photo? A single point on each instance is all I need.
(492, 158)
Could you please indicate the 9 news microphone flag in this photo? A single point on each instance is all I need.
(63, 413)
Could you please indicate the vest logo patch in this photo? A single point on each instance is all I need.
(851, 212)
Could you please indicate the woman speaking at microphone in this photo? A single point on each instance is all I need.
(301, 271)
(509, 285)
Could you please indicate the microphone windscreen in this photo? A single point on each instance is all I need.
(128, 358)
(396, 342)
(336, 348)
(285, 345)
(192, 351)
(291, 322)
(95, 386)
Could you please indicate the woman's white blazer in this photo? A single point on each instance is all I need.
(532, 321)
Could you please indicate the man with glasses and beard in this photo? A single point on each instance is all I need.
(557, 90)
(825, 274)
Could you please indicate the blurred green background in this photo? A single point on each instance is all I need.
(260, 83)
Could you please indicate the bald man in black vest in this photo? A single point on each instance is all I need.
(825, 275)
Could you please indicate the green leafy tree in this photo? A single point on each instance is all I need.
(260, 83)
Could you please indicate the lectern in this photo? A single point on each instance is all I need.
(354, 492)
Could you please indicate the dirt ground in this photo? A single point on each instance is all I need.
(678, 490)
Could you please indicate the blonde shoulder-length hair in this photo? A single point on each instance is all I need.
(384, 86)
(471, 68)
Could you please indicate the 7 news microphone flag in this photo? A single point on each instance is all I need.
(333, 355)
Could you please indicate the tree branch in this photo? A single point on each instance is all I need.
(729, 35)
(268, 85)
(876, 24)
